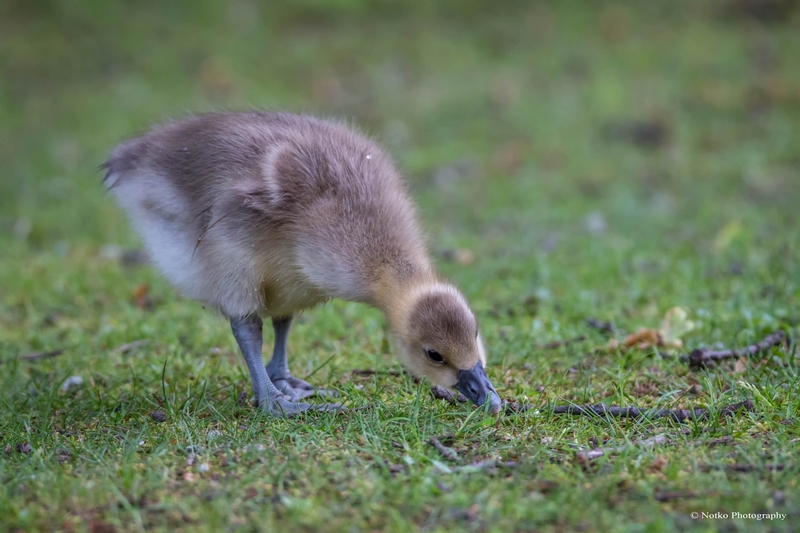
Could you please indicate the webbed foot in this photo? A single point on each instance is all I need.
(283, 406)
(296, 389)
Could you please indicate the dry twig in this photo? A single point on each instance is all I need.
(739, 467)
(558, 344)
(615, 411)
(605, 327)
(667, 495)
(589, 455)
(35, 356)
(700, 357)
(447, 453)
(486, 464)
(125, 348)
(679, 415)
(372, 372)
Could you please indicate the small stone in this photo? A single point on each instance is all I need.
(158, 416)
(203, 467)
(72, 382)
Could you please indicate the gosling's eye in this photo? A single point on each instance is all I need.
(435, 357)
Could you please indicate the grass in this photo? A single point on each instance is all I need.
(597, 160)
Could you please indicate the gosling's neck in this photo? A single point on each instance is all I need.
(395, 291)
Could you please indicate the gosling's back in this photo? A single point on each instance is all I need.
(267, 213)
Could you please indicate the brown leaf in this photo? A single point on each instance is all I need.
(643, 339)
(141, 296)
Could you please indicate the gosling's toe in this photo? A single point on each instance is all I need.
(282, 406)
(297, 389)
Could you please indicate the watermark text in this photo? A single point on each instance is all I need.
(734, 515)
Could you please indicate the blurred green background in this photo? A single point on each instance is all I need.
(650, 111)
(571, 160)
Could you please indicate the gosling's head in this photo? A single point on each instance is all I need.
(437, 337)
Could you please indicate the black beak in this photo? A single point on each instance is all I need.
(474, 384)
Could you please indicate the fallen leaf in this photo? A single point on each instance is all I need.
(643, 339)
(141, 296)
(674, 326)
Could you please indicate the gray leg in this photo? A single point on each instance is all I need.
(247, 331)
(278, 368)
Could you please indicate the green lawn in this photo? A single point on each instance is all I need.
(585, 160)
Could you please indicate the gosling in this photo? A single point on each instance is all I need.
(266, 214)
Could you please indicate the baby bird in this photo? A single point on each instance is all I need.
(267, 214)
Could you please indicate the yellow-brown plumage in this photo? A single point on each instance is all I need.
(266, 214)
